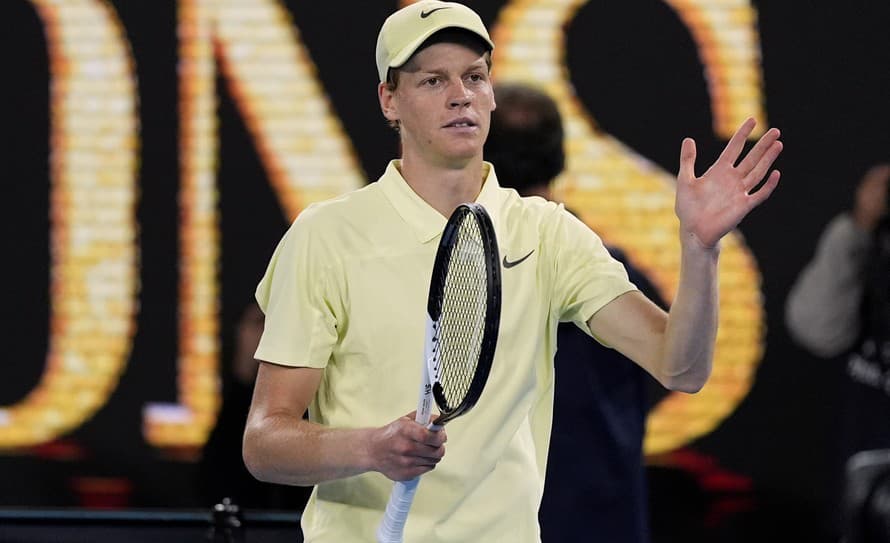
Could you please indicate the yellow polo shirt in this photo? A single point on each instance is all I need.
(346, 291)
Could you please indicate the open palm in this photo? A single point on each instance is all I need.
(711, 205)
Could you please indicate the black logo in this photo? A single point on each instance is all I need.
(425, 14)
(508, 264)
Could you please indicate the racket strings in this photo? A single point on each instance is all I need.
(463, 314)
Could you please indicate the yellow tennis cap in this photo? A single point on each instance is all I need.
(404, 31)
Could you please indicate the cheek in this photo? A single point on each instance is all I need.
(485, 96)
(485, 130)
(419, 114)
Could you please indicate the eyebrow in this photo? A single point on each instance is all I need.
(478, 64)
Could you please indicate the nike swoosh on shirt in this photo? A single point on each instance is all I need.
(509, 264)
(425, 14)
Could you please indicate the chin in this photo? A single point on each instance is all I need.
(466, 151)
(460, 160)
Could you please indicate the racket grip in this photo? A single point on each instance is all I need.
(393, 523)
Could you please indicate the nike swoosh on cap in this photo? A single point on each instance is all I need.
(508, 264)
(425, 14)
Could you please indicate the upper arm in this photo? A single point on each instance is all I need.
(274, 424)
(282, 390)
(634, 326)
(585, 275)
(299, 299)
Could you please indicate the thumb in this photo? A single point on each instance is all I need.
(687, 159)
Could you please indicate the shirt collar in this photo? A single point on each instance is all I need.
(422, 218)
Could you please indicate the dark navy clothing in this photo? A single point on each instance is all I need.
(595, 488)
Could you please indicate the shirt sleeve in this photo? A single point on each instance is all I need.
(822, 308)
(298, 299)
(587, 277)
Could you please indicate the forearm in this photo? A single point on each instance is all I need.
(708, 208)
(288, 450)
(688, 345)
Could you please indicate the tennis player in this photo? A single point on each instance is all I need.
(344, 297)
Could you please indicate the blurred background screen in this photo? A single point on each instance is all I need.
(155, 152)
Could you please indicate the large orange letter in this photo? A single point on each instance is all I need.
(303, 148)
(629, 200)
(93, 157)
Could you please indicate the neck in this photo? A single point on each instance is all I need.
(443, 186)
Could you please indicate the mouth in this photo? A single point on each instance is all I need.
(463, 122)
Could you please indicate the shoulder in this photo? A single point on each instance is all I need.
(321, 228)
(331, 214)
(548, 223)
(528, 210)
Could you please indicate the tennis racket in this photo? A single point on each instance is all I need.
(463, 315)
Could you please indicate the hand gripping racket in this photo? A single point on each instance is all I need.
(463, 314)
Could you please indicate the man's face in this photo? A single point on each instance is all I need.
(443, 103)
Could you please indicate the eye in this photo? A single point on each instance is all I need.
(431, 82)
(476, 77)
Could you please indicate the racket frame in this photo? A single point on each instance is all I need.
(392, 525)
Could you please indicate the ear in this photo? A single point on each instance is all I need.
(387, 102)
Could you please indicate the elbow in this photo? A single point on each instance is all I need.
(254, 467)
(261, 451)
(252, 461)
(689, 382)
(686, 372)
(689, 386)
(253, 457)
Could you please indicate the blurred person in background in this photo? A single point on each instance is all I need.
(595, 471)
(221, 471)
(839, 306)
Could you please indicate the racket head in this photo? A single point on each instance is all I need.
(464, 306)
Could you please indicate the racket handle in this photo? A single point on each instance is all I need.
(393, 523)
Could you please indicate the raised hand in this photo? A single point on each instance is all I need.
(711, 205)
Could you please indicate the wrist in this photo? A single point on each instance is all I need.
(366, 459)
(690, 244)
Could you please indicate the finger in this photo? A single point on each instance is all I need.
(761, 195)
(410, 430)
(766, 161)
(430, 454)
(737, 142)
(435, 438)
(418, 454)
(754, 155)
(412, 473)
(687, 159)
(413, 416)
(426, 468)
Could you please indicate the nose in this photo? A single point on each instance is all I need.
(461, 96)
